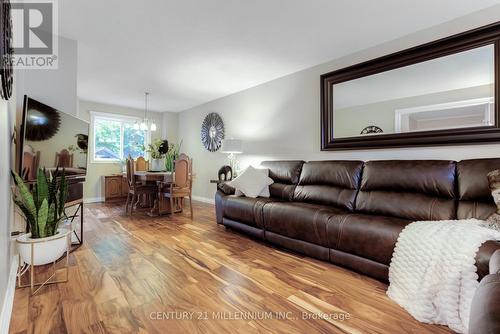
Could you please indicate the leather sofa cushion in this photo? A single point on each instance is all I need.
(245, 209)
(282, 191)
(285, 175)
(408, 189)
(472, 180)
(405, 205)
(287, 172)
(367, 236)
(473, 209)
(302, 221)
(330, 183)
(432, 177)
(474, 193)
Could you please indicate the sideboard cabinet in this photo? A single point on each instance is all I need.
(115, 187)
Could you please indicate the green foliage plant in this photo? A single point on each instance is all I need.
(43, 206)
(171, 156)
(154, 149)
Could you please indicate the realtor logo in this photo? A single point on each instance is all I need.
(34, 34)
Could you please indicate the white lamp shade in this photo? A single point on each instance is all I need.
(153, 127)
(232, 146)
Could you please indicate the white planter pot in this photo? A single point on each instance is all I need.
(157, 165)
(45, 250)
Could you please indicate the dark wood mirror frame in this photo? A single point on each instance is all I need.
(488, 35)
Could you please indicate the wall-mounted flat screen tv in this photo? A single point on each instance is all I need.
(52, 139)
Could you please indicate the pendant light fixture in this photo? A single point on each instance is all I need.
(145, 125)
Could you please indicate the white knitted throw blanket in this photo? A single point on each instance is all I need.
(432, 272)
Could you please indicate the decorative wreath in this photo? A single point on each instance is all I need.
(371, 129)
(42, 122)
(6, 51)
(212, 132)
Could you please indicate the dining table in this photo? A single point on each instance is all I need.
(166, 177)
(161, 206)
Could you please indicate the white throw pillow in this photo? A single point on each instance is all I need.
(264, 193)
(252, 182)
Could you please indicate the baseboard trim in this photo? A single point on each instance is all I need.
(204, 199)
(93, 199)
(8, 301)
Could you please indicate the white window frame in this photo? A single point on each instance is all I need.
(401, 116)
(113, 117)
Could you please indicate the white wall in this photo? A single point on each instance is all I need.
(7, 119)
(56, 88)
(167, 125)
(281, 119)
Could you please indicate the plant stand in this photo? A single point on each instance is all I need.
(25, 267)
(79, 212)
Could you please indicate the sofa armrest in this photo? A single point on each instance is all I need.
(485, 309)
(219, 206)
(225, 188)
(495, 263)
(483, 257)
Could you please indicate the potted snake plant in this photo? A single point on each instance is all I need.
(171, 156)
(43, 211)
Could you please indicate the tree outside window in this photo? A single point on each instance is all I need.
(115, 139)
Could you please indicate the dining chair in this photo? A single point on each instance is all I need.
(191, 175)
(181, 185)
(64, 159)
(136, 189)
(141, 164)
(31, 161)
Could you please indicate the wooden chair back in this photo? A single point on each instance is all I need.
(182, 184)
(64, 159)
(182, 172)
(184, 156)
(141, 164)
(130, 173)
(31, 161)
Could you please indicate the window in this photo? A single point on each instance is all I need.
(114, 138)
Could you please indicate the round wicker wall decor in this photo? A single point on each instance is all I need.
(212, 132)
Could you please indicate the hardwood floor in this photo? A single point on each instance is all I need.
(176, 275)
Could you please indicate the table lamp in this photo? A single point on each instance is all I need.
(232, 147)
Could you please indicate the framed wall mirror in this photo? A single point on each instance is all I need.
(441, 93)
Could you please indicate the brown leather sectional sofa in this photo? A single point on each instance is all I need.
(351, 212)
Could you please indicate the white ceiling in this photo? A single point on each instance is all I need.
(187, 52)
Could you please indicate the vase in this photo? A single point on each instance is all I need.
(45, 250)
(157, 165)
